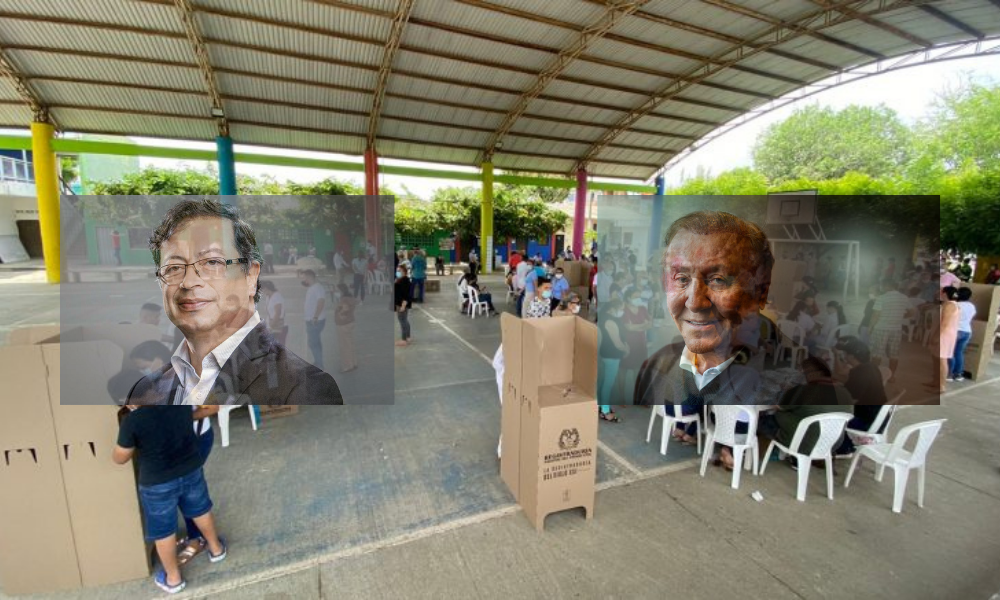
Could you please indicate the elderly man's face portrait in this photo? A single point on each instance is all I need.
(710, 288)
(196, 304)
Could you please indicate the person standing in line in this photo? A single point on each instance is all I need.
(419, 275)
(268, 257)
(360, 267)
(341, 267)
(275, 310)
(116, 246)
(473, 261)
(293, 255)
(888, 314)
(966, 312)
(560, 289)
(343, 318)
(315, 313)
(402, 302)
(948, 335)
(612, 349)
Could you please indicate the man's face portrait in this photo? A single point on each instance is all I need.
(200, 302)
(711, 287)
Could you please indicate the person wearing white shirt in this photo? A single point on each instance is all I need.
(275, 311)
(207, 270)
(360, 268)
(341, 266)
(315, 310)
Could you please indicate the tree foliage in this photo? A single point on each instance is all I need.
(823, 143)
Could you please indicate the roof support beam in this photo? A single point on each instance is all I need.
(944, 17)
(191, 29)
(391, 46)
(779, 34)
(20, 82)
(611, 17)
(747, 12)
(896, 31)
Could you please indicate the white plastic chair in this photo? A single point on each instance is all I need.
(669, 423)
(461, 299)
(901, 461)
(510, 293)
(223, 417)
(831, 430)
(884, 416)
(790, 337)
(475, 305)
(724, 432)
(382, 283)
(886, 374)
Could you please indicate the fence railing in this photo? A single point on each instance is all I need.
(12, 169)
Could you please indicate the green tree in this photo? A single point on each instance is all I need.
(963, 129)
(823, 143)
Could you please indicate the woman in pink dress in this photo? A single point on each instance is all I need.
(636, 321)
(948, 333)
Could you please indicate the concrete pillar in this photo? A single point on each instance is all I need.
(486, 220)
(580, 211)
(656, 221)
(47, 187)
(227, 165)
(372, 229)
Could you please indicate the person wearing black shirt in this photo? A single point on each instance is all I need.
(403, 301)
(864, 382)
(163, 442)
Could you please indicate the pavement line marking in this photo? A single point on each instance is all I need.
(412, 536)
(970, 387)
(444, 385)
(618, 457)
(458, 337)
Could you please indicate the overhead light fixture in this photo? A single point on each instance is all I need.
(218, 113)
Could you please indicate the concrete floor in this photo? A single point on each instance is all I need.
(405, 501)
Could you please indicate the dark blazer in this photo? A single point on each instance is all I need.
(661, 380)
(260, 371)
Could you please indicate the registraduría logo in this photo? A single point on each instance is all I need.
(569, 439)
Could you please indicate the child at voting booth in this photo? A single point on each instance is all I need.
(162, 441)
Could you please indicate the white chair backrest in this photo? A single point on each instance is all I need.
(886, 413)
(831, 428)
(726, 417)
(927, 432)
(792, 330)
(886, 374)
(473, 295)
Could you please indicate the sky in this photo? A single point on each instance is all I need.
(911, 92)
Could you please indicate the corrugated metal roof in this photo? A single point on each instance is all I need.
(301, 73)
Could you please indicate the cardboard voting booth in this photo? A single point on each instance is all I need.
(549, 415)
(69, 516)
(986, 299)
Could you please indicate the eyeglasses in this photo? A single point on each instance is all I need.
(207, 268)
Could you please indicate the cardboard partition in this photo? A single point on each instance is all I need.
(510, 411)
(558, 453)
(126, 336)
(31, 335)
(986, 299)
(103, 506)
(37, 551)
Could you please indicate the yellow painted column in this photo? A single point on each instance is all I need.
(47, 184)
(486, 220)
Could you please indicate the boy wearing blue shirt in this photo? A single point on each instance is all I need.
(560, 289)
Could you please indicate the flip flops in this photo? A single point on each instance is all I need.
(160, 579)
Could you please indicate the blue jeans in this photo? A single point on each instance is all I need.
(417, 284)
(359, 286)
(520, 303)
(160, 503)
(956, 364)
(606, 376)
(205, 443)
(313, 340)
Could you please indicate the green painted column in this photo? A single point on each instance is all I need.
(486, 220)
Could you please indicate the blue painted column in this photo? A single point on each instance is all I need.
(227, 165)
(656, 221)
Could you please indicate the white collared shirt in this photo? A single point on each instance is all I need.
(703, 379)
(195, 389)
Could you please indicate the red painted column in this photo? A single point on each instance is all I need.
(371, 202)
(580, 211)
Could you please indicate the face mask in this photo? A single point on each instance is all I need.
(147, 371)
(574, 309)
(399, 273)
(636, 301)
(618, 314)
(558, 275)
(547, 294)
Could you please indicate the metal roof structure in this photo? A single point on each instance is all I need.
(618, 87)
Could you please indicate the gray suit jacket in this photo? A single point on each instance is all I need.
(260, 371)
